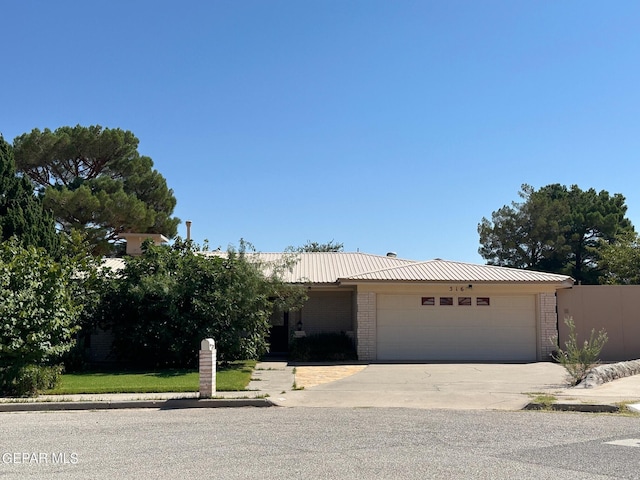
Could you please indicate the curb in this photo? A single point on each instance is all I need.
(171, 404)
(574, 407)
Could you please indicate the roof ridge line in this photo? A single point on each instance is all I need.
(409, 263)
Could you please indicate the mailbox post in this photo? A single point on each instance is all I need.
(207, 368)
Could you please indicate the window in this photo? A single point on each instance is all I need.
(464, 301)
(428, 300)
(446, 300)
(483, 301)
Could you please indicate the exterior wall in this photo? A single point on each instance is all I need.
(366, 326)
(548, 325)
(327, 312)
(616, 308)
(457, 289)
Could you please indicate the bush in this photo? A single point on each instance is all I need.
(39, 310)
(579, 359)
(40, 306)
(323, 347)
(28, 380)
(167, 300)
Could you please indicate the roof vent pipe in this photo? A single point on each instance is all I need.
(392, 254)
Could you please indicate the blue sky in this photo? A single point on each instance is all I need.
(384, 125)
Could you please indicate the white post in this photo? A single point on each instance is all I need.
(207, 368)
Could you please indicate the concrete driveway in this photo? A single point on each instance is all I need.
(453, 386)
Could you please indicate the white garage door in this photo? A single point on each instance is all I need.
(503, 330)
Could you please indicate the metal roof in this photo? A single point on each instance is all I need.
(354, 267)
(325, 267)
(115, 264)
(448, 271)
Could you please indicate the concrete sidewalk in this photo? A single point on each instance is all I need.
(623, 390)
(424, 386)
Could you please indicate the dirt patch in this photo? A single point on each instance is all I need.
(310, 376)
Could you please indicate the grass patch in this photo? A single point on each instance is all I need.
(625, 410)
(233, 377)
(545, 400)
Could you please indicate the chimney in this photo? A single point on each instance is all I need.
(135, 241)
(188, 222)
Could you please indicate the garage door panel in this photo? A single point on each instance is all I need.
(451, 352)
(458, 336)
(502, 331)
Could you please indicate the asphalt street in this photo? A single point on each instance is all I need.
(318, 443)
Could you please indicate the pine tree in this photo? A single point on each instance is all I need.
(94, 180)
(556, 229)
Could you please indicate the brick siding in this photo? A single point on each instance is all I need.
(366, 326)
(548, 325)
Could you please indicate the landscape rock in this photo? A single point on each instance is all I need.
(607, 373)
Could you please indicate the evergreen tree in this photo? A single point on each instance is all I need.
(94, 180)
(555, 229)
(21, 212)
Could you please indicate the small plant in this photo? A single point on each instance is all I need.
(623, 408)
(576, 358)
(545, 400)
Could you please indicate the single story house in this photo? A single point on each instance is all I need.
(403, 310)
(436, 310)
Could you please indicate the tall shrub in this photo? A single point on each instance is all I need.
(168, 299)
(38, 315)
(578, 358)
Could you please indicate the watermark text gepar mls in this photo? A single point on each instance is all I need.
(39, 458)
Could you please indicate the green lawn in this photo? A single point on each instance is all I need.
(234, 377)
